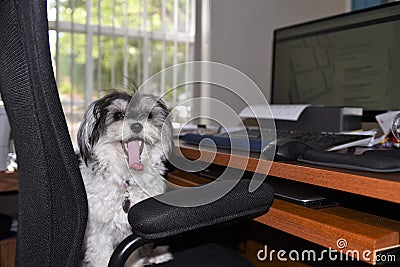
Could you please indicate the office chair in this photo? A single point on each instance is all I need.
(52, 199)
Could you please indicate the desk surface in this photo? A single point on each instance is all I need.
(8, 182)
(362, 231)
(384, 186)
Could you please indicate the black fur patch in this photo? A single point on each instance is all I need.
(99, 115)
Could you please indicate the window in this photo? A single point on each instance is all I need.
(103, 44)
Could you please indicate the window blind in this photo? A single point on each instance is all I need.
(103, 44)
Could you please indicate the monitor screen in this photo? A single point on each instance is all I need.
(351, 60)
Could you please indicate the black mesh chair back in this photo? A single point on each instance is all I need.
(52, 200)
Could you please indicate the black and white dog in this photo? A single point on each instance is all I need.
(123, 148)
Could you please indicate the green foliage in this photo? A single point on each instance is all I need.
(108, 53)
(114, 13)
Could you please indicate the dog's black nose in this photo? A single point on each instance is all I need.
(136, 127)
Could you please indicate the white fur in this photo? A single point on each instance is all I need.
(104, 177)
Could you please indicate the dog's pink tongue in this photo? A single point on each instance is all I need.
(134, 151)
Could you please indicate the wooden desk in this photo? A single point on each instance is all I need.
(362, 231)
(8, 183)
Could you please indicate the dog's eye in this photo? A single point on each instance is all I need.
(150, 116)
(118, 115)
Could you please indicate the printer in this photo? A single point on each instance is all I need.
(306, 118)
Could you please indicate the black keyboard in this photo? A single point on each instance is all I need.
(322, 141)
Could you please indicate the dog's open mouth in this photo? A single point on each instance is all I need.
(133, 149)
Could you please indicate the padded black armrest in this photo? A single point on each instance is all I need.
(153, 218)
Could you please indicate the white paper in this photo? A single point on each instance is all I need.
(287, 112)
(278, 112)
(372, 132)
(385, 121)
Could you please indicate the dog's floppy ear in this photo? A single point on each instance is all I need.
(86, 133)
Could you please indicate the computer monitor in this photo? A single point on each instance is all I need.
(352, 59)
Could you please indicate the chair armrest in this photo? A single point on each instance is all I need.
(154, 218)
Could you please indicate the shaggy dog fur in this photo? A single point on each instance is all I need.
(123, 148)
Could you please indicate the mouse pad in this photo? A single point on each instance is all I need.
(374, 161)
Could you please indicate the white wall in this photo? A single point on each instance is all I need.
(241, 34)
